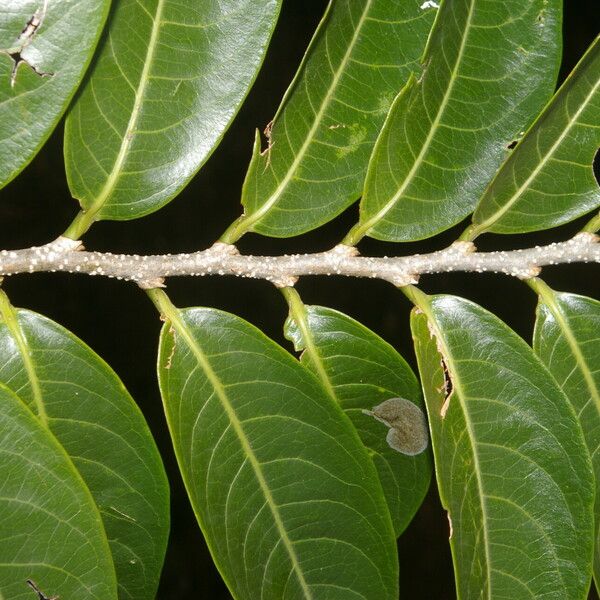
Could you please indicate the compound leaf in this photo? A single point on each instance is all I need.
(87, 408)
(168, 80)
(282, 487)
(50, 529)
(549, 178)
(567, 339)
(45, 47)
(321, 138)
(512, 466)
(362, 372)
(489, 69)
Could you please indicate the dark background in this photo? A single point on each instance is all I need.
(120, 323)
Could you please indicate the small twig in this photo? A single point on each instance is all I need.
(224, 259)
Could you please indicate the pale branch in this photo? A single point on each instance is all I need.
(223, 259)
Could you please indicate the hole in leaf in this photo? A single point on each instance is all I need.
(407, 425)
(25, 38)
(40, 594)
(448, 388)
(511, 145)
(596, 166)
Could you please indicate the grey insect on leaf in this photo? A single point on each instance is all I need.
(408, 426)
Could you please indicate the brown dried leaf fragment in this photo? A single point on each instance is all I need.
(408, 432)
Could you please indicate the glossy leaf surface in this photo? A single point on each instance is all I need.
(489, 69)
(168, 81)
(361, 371)
(52, 41)
(549, 178)
(50, 528)
(283, 489)
(567, 339)
(90, 412)
(323, 133)
(512, 467)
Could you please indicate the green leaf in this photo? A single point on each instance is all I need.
(361, 372)
(567, 339)
(323, 133)
(87, 408)
(50, 529)
(282, 487)
(549, 178)
(489, 68)
(52, 42)
(169, 79)
(512, 466)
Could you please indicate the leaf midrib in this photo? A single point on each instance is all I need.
(10, 316)
(252, 218)
(300, 315)
(459, 391)
(549, 298)
(460, 394)
(128, 137)
(181, 328)
(372, 222)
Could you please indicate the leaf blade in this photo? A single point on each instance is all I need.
(213, 352)
(448, 131)
(558, 184)
(43, 495)
(314, 166)
(508, 447)
(363, 371)
(51, 45)
(566, 340)
(73, 391)
(148, 147)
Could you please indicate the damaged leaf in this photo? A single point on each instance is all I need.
(513, 470)
(45, 47)
(407, 423)
(360, 370)
(319, 142)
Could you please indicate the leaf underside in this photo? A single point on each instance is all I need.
(362, 371)
(549, 178)
(567, 339)
(511, 464)
(91, 414)
(50, 529)
(285, 493)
